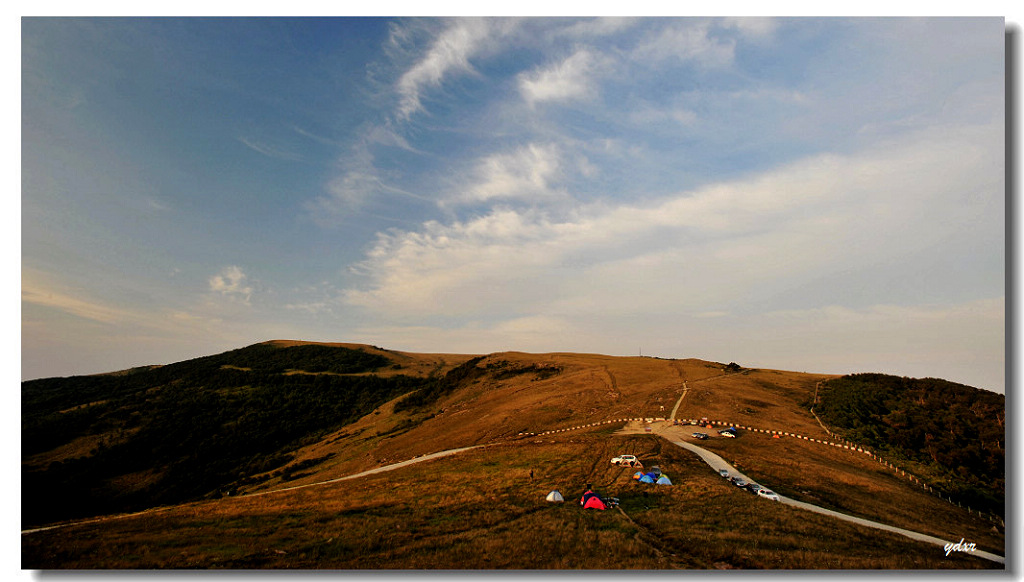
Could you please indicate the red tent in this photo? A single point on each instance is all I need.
(590, 500)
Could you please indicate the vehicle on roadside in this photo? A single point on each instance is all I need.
(723, 473)
(753, 487)
(728, 432)
(768, 494)
(739, 482)
(700, 435)
(628, 460)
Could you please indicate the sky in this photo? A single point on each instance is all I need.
(811, 194)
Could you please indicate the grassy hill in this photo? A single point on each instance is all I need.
(198, 438)
(124, 442)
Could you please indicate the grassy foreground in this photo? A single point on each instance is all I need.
(481, 510)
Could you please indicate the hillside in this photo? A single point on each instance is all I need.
(204, 437)
(951, 433)
(123, 442)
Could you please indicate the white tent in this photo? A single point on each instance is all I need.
(663, 480)
(555, 497)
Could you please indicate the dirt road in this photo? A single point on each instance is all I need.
(257, 494)
(675, 435)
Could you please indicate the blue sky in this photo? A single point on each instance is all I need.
(822, 195)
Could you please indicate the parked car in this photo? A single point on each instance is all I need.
(739, 482)
(629, 460)
(699, 435)
(768, 494)
(723, 473)
(729, 432)
(753, 487)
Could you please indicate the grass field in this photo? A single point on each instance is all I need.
(853, 483)
(481, 510)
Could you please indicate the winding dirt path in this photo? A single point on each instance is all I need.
(666, 430)
(383, 469)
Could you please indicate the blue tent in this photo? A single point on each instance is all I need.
(647, 479)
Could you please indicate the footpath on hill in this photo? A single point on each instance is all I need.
(383, 469)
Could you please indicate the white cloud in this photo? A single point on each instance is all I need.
(570, 79)
(450, 53)
(525, 173)
(231, 282)
(701, 251)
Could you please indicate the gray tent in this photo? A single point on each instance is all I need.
(555, 497)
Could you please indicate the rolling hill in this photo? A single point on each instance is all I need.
(243, 459)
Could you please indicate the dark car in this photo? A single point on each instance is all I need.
(699, 435)
(739, 482)
(753, 487)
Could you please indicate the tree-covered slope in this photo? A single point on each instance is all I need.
(955, 433)
(186, 430)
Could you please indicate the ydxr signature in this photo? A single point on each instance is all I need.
(959, 547)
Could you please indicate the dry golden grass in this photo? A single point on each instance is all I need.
(589, 388)
(853, 483)
(411, 364)
(481, 510)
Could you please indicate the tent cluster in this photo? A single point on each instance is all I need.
(590, 500)
(657, 478)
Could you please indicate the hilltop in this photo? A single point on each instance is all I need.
(210, 436)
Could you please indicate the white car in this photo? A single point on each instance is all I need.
(625, 460)
(768, 494)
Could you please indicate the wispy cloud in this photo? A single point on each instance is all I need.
(569, 79)
(268, 151)
(593, 28)
(718, 242)
(32, 292)
(359, 183)
(525, 173)
(449, 54)
(231, 282)
(688, 41)
(757, 29)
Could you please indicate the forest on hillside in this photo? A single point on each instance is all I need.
(187, 430)
(954, 433)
